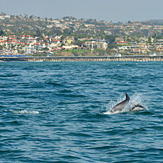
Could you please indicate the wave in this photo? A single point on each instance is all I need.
(54, 83)
(9, 75)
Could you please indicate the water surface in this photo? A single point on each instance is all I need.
(54, 112)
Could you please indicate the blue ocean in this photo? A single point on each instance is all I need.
(56, 112)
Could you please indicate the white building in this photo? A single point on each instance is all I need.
(29, 49)
(96, 45)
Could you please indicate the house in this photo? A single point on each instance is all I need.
(121, 42)
(159, 49)
(2, 38)
(68, 40)
(96, 44)
(3, 42)
(70, 47)
(126, 48)
(55, 43)
(29, 49)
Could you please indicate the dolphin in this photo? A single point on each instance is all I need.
(137, 107)
(120, 106)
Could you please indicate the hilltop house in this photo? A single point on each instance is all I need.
(54, 43)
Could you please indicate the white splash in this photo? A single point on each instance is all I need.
(24, 112)
(111, 104)
(108, 112)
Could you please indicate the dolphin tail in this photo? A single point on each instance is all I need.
(127, 97)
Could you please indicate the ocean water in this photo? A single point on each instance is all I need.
(56, 112)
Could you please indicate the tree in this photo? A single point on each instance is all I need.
(67, 32)
(149, 39)
(31, 17)
(38, 33)
(1, 32)
(110, 39)
(78, 42)
(111, 46)
(1, 47)
(45, 49)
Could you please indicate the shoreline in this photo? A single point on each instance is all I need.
(136, 58)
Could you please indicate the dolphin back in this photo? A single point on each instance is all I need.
(138, 107)
(120, 106)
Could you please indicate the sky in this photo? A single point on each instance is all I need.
(107, 10)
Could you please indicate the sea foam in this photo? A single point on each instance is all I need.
(24, 112)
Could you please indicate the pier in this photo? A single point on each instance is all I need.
(134, 58)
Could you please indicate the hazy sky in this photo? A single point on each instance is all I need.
(108, 10)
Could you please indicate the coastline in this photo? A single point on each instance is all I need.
(136, 58)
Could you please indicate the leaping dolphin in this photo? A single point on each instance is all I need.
(120, 106)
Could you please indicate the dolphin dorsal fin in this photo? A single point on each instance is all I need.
(127, 97)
